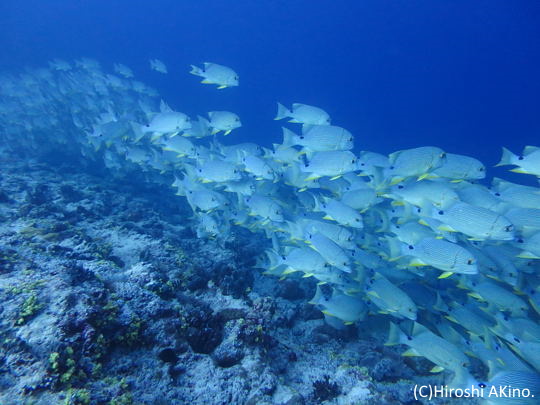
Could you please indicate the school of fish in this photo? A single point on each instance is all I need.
(415, 239)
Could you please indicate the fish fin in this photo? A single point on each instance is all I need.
(396, 203)
(436, 369)
(322, 283)
(456, 181)
(422, 177)
(507, 158)
(311, 178)
(335, 177)
(307, 275)
(373, 293)
(439, 237)
(410, 353)
(329, 218)
(215, 131)
(222, 87)
(348, 323)
(396, 180)
(451, 319)
(530, 149)
(446, 228)
(527, 255)
(417, 263)
(227, 132)
(289, 270)
(423, 222)
(300, 190)
(446, 274)
(476, 296)
(519, 170)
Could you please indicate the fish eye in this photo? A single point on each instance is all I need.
(481, 169)
(520, 158)
(345, 263)
(519, 240)
(482, 385)
(470, 261)
(237, 119)
(411, 247)
(301, 137)
(362, 164)
(353, 161)
(147, 125)
(509, 228)
(517, 340)
(497, 194)
(400, 186)
(235, 171)
(441, 212)
(409, 338)
(442, 155)
(392, 167)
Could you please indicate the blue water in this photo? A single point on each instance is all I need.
(398, 74)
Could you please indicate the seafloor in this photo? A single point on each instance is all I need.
(108, 297)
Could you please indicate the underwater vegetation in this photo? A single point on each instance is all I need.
(410, 249)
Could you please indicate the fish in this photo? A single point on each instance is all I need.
(217, 171)
(341, 213)
(212, 73)
(303, 114)
(301, 259)
(158, 66)
(499, 298)
(511, 387)
(527, 163)
(475, 222)
(344, 307)
(223, 121)
(265, 207)
(443, 255)
(123, 70)
(319, 138)
(330, 251)
(390, 298)
(333, 164)
(167, 123)
(417, 162)
(425, 343)
(179, 145)
(460, 167)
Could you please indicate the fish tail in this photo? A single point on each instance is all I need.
(274, 259)
(196, 70)
(288, 137)
(282, 112)
(508, 158)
